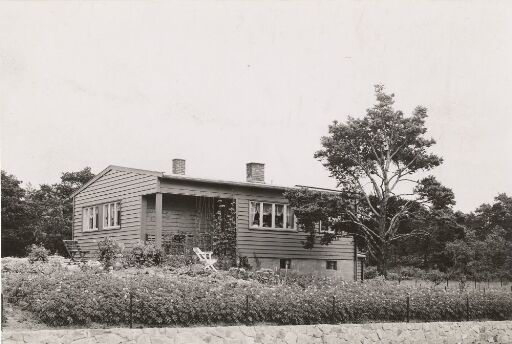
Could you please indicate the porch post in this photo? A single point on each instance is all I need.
(355, 258)
(158, 214)
(143, 215)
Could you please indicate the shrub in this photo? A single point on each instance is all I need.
(265, 276)
(435, 276)
(177, 261)
(109, 251)
(81, 298)
(22, 265)
(243, 262)
(370, 272)
(393, 276)
(239, 273)
(37, 253)
(145, 254)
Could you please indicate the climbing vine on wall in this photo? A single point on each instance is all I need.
(224, 233)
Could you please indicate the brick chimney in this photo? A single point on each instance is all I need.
(178, 166)
(255, 172)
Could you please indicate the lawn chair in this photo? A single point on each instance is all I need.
(205, 258)
(74, 251)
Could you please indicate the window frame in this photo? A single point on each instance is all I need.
(106, 216)
(285, 260)
(88, 213)
(259, 226)
(329, 229)
(334, 266)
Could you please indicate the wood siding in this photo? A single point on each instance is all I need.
(259, 242)
(115, 185)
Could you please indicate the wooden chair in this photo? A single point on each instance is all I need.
(206, 258)
(74, 251)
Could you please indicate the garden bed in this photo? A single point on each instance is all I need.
(158, 297)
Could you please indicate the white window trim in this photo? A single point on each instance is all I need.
(107, 215)
(273, 228)
(86, 214)
(320, 231)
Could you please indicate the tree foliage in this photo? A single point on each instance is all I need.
(38, 215)
(376, 161)
(15, 216)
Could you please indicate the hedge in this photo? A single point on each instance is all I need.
(81, 298)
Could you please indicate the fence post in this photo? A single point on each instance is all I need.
(3, 318)
(334, 309)
(408, 307)
(131, 309)
(475, 283)
(247, 307)
(467, 307)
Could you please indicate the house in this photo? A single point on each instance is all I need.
(130, 205)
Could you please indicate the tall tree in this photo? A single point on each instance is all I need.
(15, 217)
(53, 208)
(41, 215)
(376, 159)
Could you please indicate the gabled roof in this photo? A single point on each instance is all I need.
(194, 179)
(116, 168)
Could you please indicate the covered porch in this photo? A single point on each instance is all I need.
(177, 222)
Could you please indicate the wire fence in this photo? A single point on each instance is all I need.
(248, 309)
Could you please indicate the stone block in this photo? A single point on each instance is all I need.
(111, 338)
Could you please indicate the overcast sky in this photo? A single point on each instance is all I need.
(223, 83)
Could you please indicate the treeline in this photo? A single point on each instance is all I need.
(40, 215)
(477, 245)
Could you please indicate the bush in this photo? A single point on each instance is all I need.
(81, 298)
(23, 265)
(370, 272)
(405, 273)
(37, 253)
(435, 276)
(393, 276)
(109, 251)
(145, 254)
(177, 261)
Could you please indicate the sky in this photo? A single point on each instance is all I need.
(223, 83)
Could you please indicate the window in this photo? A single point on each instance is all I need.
(324, 228)
(279, 217)
(331, 265)
(271, 215)
(290, 218)
(285, 263)
(255, 214)
(111, 215)
(267, 215)
(91, 218)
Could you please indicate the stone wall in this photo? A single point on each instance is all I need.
(447, 332)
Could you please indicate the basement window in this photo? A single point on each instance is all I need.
(285, 263)
(331, 265)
